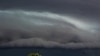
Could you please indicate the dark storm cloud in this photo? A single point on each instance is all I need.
(49, 22)
(83, 7)
(86, 10)
(32, 28)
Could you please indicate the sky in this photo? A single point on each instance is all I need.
(86, 11)
(50, 23)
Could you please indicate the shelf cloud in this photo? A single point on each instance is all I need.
(20, 28)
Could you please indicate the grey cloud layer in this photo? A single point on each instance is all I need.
(25, 28)
(83, 7)
(85, 10)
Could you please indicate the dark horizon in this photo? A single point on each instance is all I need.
(18, 51)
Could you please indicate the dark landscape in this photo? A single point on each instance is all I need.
(24, 51)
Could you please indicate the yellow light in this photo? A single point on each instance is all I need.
(34, 54)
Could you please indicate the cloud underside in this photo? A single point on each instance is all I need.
(39, 42)
(44, 29)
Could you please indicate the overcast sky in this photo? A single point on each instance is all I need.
(86, 10)
(70, 17)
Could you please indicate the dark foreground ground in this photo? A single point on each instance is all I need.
(24, 51)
